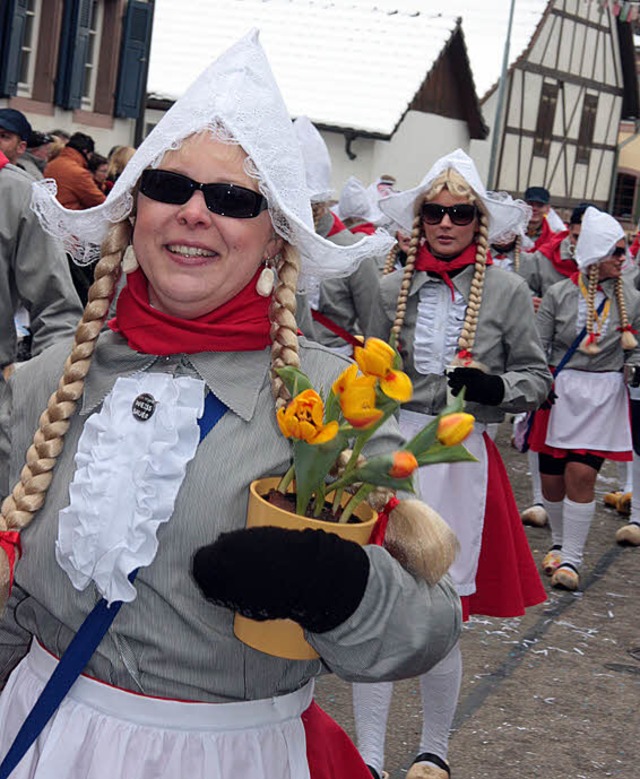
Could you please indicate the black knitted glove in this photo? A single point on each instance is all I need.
(481, 387)
(309, 576)
(549, 401)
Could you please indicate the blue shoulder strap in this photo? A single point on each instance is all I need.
(576, 343)
(84, 643)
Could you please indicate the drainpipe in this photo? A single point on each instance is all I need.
(501, 90)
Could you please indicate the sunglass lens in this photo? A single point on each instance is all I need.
(462, 214)
(229, 200)
(432, 213)
(166, 187)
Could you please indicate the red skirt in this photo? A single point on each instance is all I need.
(538, 437)
(507, 579)
(330, 752)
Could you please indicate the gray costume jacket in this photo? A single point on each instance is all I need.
(538, 271)
(506, 342)
(170, 641)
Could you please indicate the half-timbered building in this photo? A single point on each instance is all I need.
(564, 97)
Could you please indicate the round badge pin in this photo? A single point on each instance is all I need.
(143, 407)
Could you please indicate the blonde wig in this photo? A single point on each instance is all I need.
(589, 344)
(392, 258)
(454, 183)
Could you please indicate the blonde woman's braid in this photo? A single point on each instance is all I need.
(407, 276)
(284, 330)
(390, 262)
(627, 339)
(516, 253)
(589, 345)
(467, 337)
(29, 494)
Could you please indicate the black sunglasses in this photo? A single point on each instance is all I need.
(618, 251)
(460, 215)
(223, 199)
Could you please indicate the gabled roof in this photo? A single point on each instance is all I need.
(346, 64)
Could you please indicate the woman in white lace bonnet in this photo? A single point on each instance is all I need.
(128, 472)
(459, 319)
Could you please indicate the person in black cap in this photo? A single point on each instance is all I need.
(538, 230)
(14, 133)
(35, 158)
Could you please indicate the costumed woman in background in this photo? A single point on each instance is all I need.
(586, 323)
(454, 314)
(156, 430)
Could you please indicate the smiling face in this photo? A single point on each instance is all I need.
(611, 268)
(447, 240)
(195, 260)
(11, 145)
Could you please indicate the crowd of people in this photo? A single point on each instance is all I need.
(124, 553)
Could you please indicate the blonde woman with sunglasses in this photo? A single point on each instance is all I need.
(460, 323)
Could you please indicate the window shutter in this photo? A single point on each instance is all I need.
(74, 47)
(134, 57)
(12, 38)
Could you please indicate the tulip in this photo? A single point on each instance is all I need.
(403, 465)
(303, 419)
(454, 428)
(377, 358)
(357, 396)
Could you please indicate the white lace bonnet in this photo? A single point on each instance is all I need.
(356, 202)
(402, 207)
(317, 162)
(238, 100)
(509, 223)
(599, 233)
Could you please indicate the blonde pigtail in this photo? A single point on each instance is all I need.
(467, 338)
(28, 495)
(517, 249)
(407, 276)
(284, 330)
(628, 340)
(589, 345)
(390, 262)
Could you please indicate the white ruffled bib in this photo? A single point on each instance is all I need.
(438, 327)
(129, 471)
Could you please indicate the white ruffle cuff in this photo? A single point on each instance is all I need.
(126, 482)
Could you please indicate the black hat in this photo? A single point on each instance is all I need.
(15, 122)
(537, 195)
(38, 139)
(578, 213)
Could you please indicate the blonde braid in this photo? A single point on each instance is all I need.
(284, 330)
(516, 254)
(407, 276)
(29, 494)
(589, 345)
(390, 262)
(467, 337)
(318, 210)
(627, 339)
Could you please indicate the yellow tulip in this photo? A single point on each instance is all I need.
(454, 428)
(302, 419)
(357, 396)
(376, 358)
(404, 464)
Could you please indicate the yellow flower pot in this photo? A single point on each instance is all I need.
(283, 637)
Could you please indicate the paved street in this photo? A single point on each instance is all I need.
(555, 694)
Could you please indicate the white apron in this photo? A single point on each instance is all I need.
(458, 492)
(590, 412)
(103, 732)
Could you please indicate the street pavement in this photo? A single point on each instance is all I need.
(553, 694)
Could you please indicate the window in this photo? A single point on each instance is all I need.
(587, 126)
(623, 202)
(29, 47)
(546, 117)
(94, 35)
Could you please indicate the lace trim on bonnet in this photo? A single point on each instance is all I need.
(225, 100)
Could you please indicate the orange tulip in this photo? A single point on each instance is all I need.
(302, 419)
(404, 464)
(454, 428)
(357, 396)
(377, 358)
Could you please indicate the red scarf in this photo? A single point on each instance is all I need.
(551, 250)
(546, 233)
(3, 160)
(427, 262)
(239, 325)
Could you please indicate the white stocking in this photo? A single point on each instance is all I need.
(371, 710)
(534, 468)
(576, 521)
(554, 510)
(440, 688)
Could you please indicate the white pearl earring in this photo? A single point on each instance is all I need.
(266, 280)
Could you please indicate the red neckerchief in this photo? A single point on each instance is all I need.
(3, 160)
(427, 262)
(546, 233)
(551, 250)
(336, 227)
(633, 249)
(240, 325)
(364, 227)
